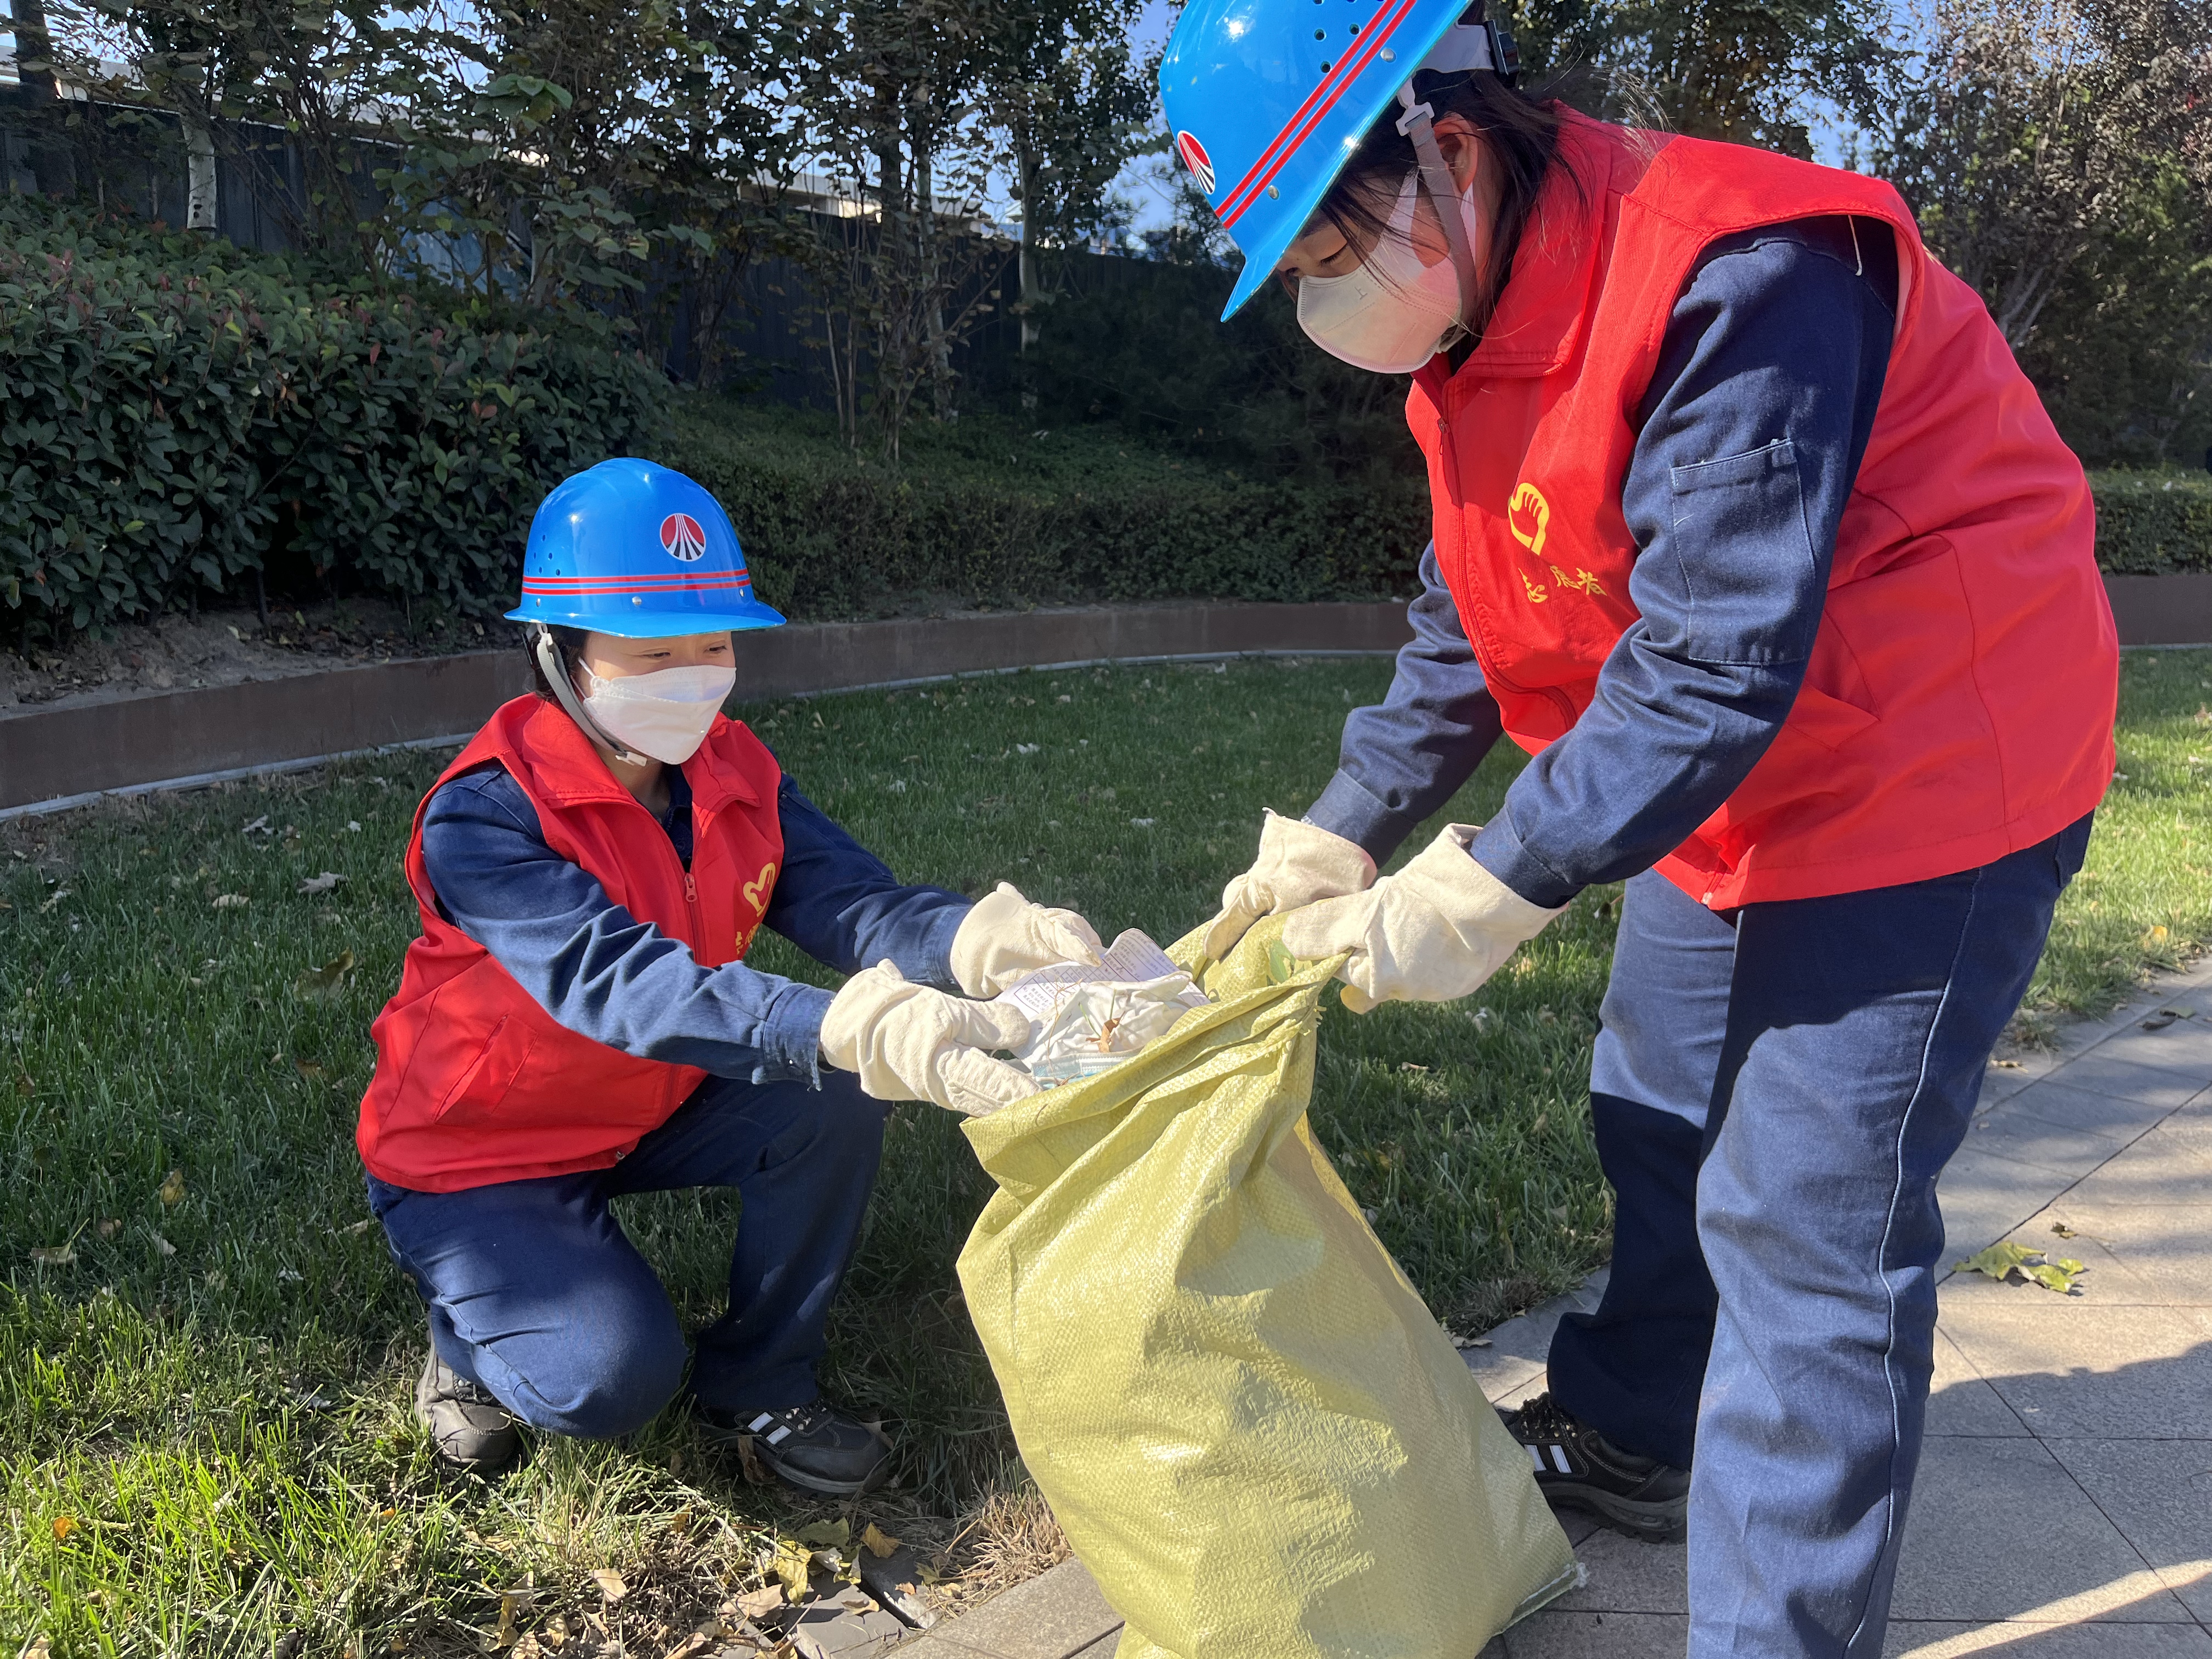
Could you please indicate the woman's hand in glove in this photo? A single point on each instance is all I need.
(1006, 937)
(1297, 865)
(906, 1041)
(1433, 931)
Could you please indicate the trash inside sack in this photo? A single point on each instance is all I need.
(1089, 1019)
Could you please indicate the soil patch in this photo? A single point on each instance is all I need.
(226, 647)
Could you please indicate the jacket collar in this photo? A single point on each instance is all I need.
(1538, 326)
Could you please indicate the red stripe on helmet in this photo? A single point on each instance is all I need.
(600, 590)
(625, 584)
(1323, 99)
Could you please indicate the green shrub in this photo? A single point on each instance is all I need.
(176, 413)
(2153, 524)
(987, 512)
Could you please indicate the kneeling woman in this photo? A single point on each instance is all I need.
(576, 1021)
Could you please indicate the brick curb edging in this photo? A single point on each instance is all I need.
(55, 758)
(52, 758)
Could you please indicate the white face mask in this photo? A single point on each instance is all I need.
(665, 714)
(1393, 313)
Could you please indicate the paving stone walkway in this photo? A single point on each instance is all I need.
(2064, 1508)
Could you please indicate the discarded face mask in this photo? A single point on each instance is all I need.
(1089, 1019)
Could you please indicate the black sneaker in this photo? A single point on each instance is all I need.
(469, 1429)
(1577, 1467)
(815, 1445)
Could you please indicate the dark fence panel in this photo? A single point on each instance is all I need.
(772, 333)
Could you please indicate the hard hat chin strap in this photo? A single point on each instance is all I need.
(548, 653)
(1418, 123)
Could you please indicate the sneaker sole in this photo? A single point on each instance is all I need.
(823, 1484)
(1663, 1522)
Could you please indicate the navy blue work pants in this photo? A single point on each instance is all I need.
(535, 1292)
(1775, 1092)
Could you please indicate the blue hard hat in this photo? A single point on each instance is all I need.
(1267, 99)
(633, 549)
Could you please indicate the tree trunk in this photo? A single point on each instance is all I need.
(200, 186)
(1027, 167)
(53, 163)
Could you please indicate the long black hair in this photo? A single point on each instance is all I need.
(1521, 130)
(570, 643)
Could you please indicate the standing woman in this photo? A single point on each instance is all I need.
(1748, 527)
(578, 1021)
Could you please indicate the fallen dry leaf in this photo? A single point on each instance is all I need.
(610, 1583)
(511, 1603)
(2006, 1065)
(53, 1255)
(323, 983)
(877, 1542)
(789, 1565)
(163, 1246)
(825, 1535)
(756, 1472)
(109, 1227)
(53, 898)
(325, 882)
(308, 1069)
(2063, 1230)
(63, 1526)
(173, 1189)
(230, 901)
(758, 1604)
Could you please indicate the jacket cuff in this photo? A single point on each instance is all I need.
(1499, 848)
(1346, 808)
(933, 966)
(790, 1037)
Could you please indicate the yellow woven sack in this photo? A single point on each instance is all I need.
(1254, 1433)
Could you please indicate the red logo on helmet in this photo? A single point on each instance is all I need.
(681, 538)
(1195, 158)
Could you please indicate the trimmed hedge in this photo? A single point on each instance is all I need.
(176, 413)
(986, 511)
(2154, 523)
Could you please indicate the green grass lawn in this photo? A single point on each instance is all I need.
(204, 1382)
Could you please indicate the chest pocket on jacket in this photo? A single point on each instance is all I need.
(1749, 585)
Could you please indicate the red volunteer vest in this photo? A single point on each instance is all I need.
(1961, 699)
(475, 1083)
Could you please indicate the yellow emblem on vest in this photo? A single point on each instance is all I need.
(1528, 516)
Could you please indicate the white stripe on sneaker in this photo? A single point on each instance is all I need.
(761, 1422)
(1535, 1457)
(1559, 1460)
(779, 1436)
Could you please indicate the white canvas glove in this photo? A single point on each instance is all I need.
(906, 1041)
(1006, 937)
(1433, 931)
(1297, 865)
